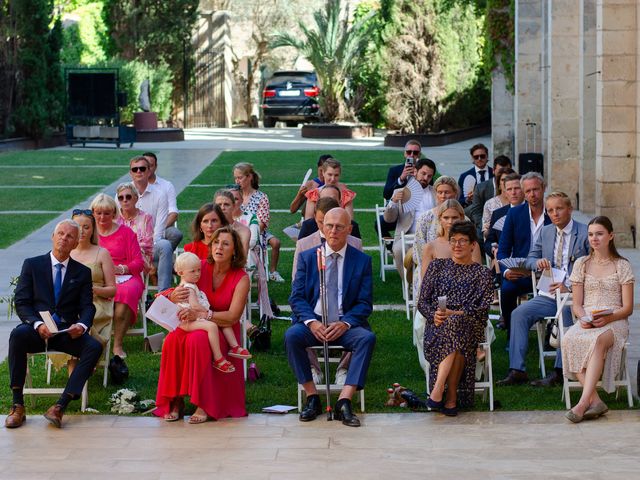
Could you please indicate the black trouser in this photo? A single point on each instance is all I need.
(386, 227)
(25, 339)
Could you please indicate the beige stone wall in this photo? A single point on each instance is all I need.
(617, 102)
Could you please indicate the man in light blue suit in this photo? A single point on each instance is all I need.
(559, 245)
(347, 320)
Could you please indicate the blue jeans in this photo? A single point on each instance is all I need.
(174, 236)
(163, 259)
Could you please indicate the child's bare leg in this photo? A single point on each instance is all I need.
(230, 337)
(212, 332)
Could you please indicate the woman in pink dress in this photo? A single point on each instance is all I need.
(208, 219)
(123, 246)
(186, 366)
(140, 222)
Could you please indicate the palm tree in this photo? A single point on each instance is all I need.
(334, 48)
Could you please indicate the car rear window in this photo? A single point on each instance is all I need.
(308, 79)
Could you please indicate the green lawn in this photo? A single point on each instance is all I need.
(36, 172)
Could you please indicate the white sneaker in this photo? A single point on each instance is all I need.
(341, 376)
(276, 277)
(317, 376)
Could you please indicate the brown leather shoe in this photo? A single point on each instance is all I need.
(54, 415)
(553, 379)
(16, 416)
(515, 377)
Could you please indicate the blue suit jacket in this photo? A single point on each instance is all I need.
(357, 288)
(544, 246)
(392, 181)
(515, 240)
(472, 171)
(494, 235)
(34, 292)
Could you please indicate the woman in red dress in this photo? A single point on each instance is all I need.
(186, 367)
(208, 219)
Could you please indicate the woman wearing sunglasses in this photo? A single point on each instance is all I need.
(123, 246)
(138, 221)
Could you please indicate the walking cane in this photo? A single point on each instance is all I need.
(322, 267)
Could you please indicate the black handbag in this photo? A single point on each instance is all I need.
(118, 370)
(261, 336)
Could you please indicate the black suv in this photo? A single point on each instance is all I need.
(291, 97)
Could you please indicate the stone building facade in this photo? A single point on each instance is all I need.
(577, 79)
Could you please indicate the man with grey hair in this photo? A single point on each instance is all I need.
(53, 285)
(521, 228)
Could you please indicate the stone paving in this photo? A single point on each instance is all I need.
(499, 445)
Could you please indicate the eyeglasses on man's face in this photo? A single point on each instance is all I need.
(459, 241)
(139, 169)
(334, 226)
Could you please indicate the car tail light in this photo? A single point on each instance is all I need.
(311, 92)
(268, 93)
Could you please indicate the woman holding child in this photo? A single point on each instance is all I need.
(187, 367)
(601, 282)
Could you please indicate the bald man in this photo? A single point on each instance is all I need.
(349, 282)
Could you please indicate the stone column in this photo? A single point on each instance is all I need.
(564, 79)
(501, 117)
(528, 74)
(617, 105)
(587, 103)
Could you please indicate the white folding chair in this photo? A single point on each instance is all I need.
(384, 248)
(407, 290)
(29, 389)
(333, 387)
(142, 307)
(622, 379)
(484, 368)
(562, 300)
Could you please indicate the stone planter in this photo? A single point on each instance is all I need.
(86, 131)
(145, 120)
(437, 139)
(334, 130)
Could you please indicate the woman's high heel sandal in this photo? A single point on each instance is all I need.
(177, 411)
(224, 365)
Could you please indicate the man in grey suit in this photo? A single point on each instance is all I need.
(558, 245)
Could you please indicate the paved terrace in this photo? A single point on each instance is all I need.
(499, 445)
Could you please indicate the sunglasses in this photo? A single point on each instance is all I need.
(122, 198)
(233, 186)
(138, 169)
(78, 211)
(479, 157)
(412, 152)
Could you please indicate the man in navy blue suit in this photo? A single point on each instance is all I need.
(479, 173)
(56, 283)
(348, 315)
(521, 228)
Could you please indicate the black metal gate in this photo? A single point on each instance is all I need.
(205, 100)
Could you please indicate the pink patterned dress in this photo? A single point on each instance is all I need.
(142, 226)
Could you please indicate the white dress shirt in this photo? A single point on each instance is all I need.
(155, 202)
(167, 187)
(535, 227)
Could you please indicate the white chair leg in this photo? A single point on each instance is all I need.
(362, 400)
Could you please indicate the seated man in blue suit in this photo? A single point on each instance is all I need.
(56, 283)
(349, 282)
(479, 173)
(521, 228)
(559, 245)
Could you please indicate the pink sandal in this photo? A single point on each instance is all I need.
(224, 365)
(239, 352)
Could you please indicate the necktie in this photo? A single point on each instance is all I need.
(482, 172)
(332, 288)
(57, 286)
(559, 248)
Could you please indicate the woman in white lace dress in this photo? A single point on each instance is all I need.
(602, 285)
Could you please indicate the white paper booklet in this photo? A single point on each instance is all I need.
(164, 312)
(549, 276)
(278, 409)
(50, 323)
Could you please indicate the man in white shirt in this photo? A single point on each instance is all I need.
(405, 219)
(152, 200)
(171, 232)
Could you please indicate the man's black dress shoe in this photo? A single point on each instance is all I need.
(515, 377)
(343, 412)
(312, 408)
(554, 378)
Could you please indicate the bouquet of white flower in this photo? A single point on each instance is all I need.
(126, 401)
